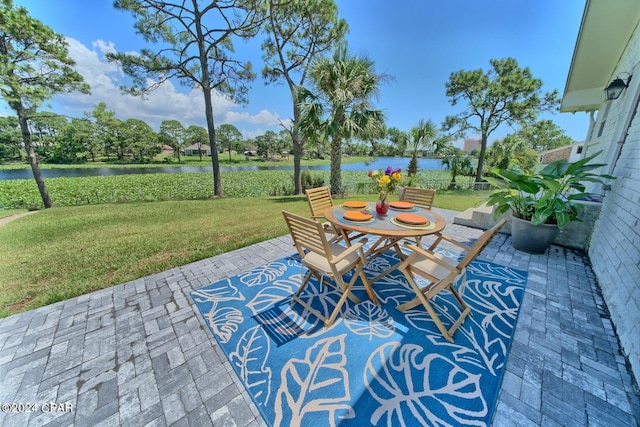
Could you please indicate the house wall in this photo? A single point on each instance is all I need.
(576, 153)
(614, 248)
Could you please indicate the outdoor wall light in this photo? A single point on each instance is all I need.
(616, 87)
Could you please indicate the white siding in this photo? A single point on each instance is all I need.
(614, 249)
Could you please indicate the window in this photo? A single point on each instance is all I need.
(604, 119)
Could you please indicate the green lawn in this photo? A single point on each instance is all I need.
(64, 252)
(8, 212)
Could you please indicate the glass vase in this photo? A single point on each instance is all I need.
(382, 205)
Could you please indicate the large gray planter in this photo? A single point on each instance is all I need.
(534, 239)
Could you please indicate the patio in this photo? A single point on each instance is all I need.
(139, 353)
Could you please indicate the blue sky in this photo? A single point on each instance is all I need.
(420, 43)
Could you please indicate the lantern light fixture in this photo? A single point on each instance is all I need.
(615, 88)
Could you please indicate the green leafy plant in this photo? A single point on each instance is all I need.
(457, 164)
(549, 196)
(310, 180)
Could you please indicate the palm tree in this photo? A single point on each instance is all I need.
(338, 104)
(424, 135)
(458, 164)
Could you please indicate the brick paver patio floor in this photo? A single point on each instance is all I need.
(139, 354)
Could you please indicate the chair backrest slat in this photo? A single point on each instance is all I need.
(307, 234)
(420, 196)
(319, 199)
(480, 244)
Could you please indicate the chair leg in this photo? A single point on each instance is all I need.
(367, 287)
(425, 302)
(320, 278)
(423, 295)
(304, 283)
(296, 297)
(346, 291)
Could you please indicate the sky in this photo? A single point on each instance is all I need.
(419, 43)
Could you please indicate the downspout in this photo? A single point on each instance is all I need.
(592, 124)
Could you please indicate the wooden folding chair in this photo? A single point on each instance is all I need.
(419, 196)
(442, 273)
(324, 258)
(319, 199)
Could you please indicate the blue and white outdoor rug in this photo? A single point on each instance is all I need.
(375, 365)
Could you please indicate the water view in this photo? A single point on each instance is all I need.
(378, 163)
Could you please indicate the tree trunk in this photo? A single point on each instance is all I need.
(413, 165)
(336, 160)
(453, 184)
(215, 163)
(33, 161)
(297, 160)
(483, 149)
(297, 141)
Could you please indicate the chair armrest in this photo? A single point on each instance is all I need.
(431, 257)
(350, 249)
(442, 237)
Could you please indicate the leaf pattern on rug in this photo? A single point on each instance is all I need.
(412, 385)
(224, 321)
(264, 274)
(316, 384)
(497, 303)
(369, 320)
(250, 358)
(379, 264)
(275, 293)
(221, 291)
(322, 296)
(393, 289)
(490, 270)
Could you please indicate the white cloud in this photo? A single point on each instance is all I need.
(166, 102)
(264, 118)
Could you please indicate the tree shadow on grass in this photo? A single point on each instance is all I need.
(288, 199)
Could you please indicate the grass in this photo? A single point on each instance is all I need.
(460, 200)
(65, 252)
(8, 212)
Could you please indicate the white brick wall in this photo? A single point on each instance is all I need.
(614, 249)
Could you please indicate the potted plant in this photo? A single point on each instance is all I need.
(544, 202)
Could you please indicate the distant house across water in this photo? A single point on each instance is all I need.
(195, 150)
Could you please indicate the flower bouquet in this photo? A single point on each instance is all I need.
(384, 182)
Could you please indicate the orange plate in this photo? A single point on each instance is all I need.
(355, 204)
(412, 219)
(357, 216)
(402, 205)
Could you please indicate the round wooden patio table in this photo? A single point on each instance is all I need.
(386, 227)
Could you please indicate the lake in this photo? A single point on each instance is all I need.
(378, 163)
